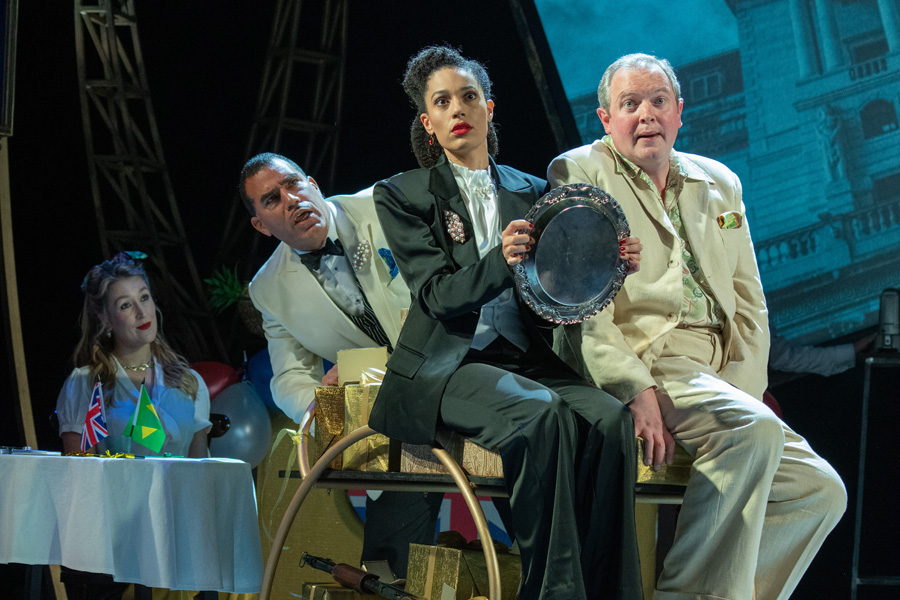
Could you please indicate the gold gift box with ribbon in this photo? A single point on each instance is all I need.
(377, 453)
(474, 459)
(330, 591)
(678, 473)
(361, 366)
(329, 423)
(446, 571)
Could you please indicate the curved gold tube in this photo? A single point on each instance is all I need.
(299, 496)
(487, 545)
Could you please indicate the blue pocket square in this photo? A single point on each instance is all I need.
(389, 261)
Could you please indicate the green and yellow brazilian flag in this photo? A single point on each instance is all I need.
(145, 427)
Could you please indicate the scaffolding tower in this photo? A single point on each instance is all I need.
(299, 102)
(133, 196)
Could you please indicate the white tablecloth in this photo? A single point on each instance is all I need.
(162, 522)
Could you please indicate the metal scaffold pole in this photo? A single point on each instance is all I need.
(299, 102)
(133, 196)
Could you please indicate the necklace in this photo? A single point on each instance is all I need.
(142, 367)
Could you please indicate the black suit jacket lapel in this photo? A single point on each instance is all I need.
(515, 194)
(443, 187)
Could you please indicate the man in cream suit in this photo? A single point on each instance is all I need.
(686, 342)
(330, 284)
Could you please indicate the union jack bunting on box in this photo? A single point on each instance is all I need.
(94, 426)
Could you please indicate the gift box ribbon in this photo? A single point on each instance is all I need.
(371, 375)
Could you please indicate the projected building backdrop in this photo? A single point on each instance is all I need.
(800, 99)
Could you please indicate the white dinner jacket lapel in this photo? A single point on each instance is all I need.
(312, 316)
(386, 296)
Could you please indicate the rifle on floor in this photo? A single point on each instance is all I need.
(354, 578)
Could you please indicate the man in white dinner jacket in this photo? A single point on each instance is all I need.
(331, 284)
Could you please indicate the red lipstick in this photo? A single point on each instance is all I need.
(145, 326)
(461, 128)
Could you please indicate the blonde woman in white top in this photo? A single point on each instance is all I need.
(121, 347)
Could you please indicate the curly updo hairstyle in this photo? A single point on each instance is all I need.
(419, 70)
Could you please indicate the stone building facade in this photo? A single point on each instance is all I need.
(805, 111)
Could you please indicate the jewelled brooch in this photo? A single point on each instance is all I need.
(362, 254)
(455, 227)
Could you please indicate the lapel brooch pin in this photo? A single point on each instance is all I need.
(454, 227)
(362, 254)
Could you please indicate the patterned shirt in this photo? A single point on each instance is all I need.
(698, 308)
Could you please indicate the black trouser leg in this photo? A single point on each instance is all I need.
(396, 520)
(567, 450)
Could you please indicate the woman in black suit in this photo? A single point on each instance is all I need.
(471, 359)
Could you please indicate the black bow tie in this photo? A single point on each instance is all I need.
(313, 259)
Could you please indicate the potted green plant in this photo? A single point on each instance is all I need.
(226, 288)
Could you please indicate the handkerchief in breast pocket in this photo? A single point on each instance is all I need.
(730, 220)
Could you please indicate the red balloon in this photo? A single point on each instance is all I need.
(217, 376)
(770, 401)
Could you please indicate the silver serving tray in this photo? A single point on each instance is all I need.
(574, 268)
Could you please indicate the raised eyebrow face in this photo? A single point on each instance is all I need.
(462, 90)
(273, 193)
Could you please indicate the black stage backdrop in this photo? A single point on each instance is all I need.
(204, 61)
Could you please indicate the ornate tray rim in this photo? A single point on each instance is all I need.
(548, 309)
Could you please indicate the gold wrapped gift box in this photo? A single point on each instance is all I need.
(479, 461)
(331, 591)
(377, 453)
(439, 572)
(678, 473)
(474, 459)
(329, 423)
(340, 410)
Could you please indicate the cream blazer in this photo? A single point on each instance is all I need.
(617, 347)
(301, 322)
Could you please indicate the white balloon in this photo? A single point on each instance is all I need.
(250, 432)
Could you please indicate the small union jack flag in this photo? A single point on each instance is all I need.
(94, 426)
